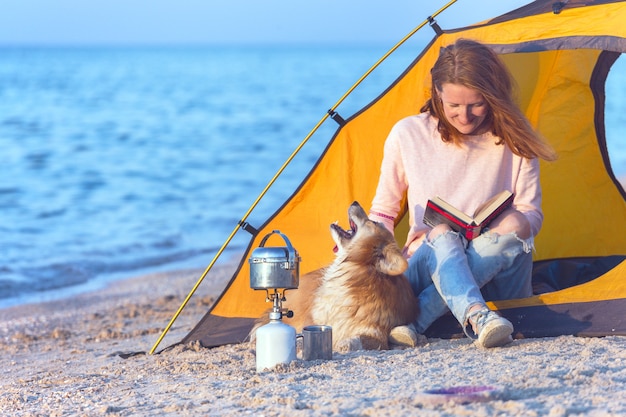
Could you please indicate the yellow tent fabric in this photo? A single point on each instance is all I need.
(610, 286)
(560, 62)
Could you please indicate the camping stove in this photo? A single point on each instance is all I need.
(275, 270)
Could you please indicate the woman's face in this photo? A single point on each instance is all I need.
(465, 108)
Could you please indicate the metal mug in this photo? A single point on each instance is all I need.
(317, 342)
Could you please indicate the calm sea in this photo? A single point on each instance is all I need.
(120, 161)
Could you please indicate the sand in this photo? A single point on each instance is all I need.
(62, 358)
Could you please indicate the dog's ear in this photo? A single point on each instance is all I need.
(392, 261)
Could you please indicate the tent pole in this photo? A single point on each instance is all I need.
(286, 163)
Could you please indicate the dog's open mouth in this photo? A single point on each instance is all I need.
(344, 234)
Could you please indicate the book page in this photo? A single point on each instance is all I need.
(451, 209)
(485, 209)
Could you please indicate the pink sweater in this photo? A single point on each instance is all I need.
(416, 161)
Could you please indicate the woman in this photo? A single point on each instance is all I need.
(469, 142)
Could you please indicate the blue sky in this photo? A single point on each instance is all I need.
(229, 21)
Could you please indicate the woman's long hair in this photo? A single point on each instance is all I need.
(477, 67)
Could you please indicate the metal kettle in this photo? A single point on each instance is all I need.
(274, 267)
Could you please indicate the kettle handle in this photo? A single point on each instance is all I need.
(293, 256)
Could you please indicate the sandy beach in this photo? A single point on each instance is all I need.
(62, 358)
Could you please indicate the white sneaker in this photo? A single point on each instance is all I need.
(405, 335)
(492, 329)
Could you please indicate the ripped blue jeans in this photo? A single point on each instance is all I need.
(450, 274)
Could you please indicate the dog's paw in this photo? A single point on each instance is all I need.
(349, 345)
(405, 336)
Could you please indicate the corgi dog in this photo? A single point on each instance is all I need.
(362, 294)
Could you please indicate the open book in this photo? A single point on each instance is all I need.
(438, 211)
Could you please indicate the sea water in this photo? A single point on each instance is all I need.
(121, 161)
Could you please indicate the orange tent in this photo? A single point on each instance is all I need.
(560, 54)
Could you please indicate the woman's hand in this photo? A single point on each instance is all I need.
(511, 221)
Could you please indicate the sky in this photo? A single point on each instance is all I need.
(88, 22)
